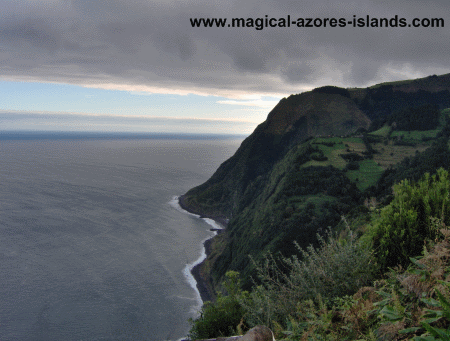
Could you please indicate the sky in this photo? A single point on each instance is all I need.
(140, 66)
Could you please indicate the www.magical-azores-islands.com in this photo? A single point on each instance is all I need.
(287, 22)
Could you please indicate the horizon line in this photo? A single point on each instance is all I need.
(78, 135)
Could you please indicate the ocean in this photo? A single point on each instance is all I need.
(93, 245)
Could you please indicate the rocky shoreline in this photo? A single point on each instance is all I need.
(204, 286)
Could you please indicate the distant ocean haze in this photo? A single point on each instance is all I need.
(90, 247)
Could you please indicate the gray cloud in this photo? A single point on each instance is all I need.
(299, 72)
(35, 34)
(151, 44)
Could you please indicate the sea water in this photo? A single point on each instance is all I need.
(93, 245)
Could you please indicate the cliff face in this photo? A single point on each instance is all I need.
(317, 114)
(288, 180)
(291, 121)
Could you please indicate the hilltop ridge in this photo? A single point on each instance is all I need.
(316, 113)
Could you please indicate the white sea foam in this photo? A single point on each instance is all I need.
(175, 203)
(213, 223)
(187, 271)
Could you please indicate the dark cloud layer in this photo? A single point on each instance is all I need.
(150, 45)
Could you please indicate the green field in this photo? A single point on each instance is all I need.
(367, 175)
(383, 131)
(341, 144)
(319, 140)
(391, 149)
(415, 136)
(369, 171)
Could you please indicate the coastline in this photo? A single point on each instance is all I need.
(203, 282)
(221, 220)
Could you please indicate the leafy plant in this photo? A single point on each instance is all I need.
(404, 225)
(441, 311)
(336, 268)
(225, 316)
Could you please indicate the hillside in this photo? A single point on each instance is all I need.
(290, 122)
(319, 156)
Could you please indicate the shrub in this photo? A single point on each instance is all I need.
(406, 305)
(351, 157)
(415, 302)
(318, 157)
(352, 166)
(224, 316)
(337, 268)
(404, 225)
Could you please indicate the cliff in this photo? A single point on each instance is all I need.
(304, 167)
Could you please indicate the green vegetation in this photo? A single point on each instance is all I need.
(379, 102)
(353, 285)
(333, 90)
(308, 190)
(367, 175)
(415, 136)
(335, 268)
(319, 156)
(384, 131)
(302, 202)
(425, 117)
(404, 224)
(419, 136)
(413, 168)
(224, 316)
(329, 150)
